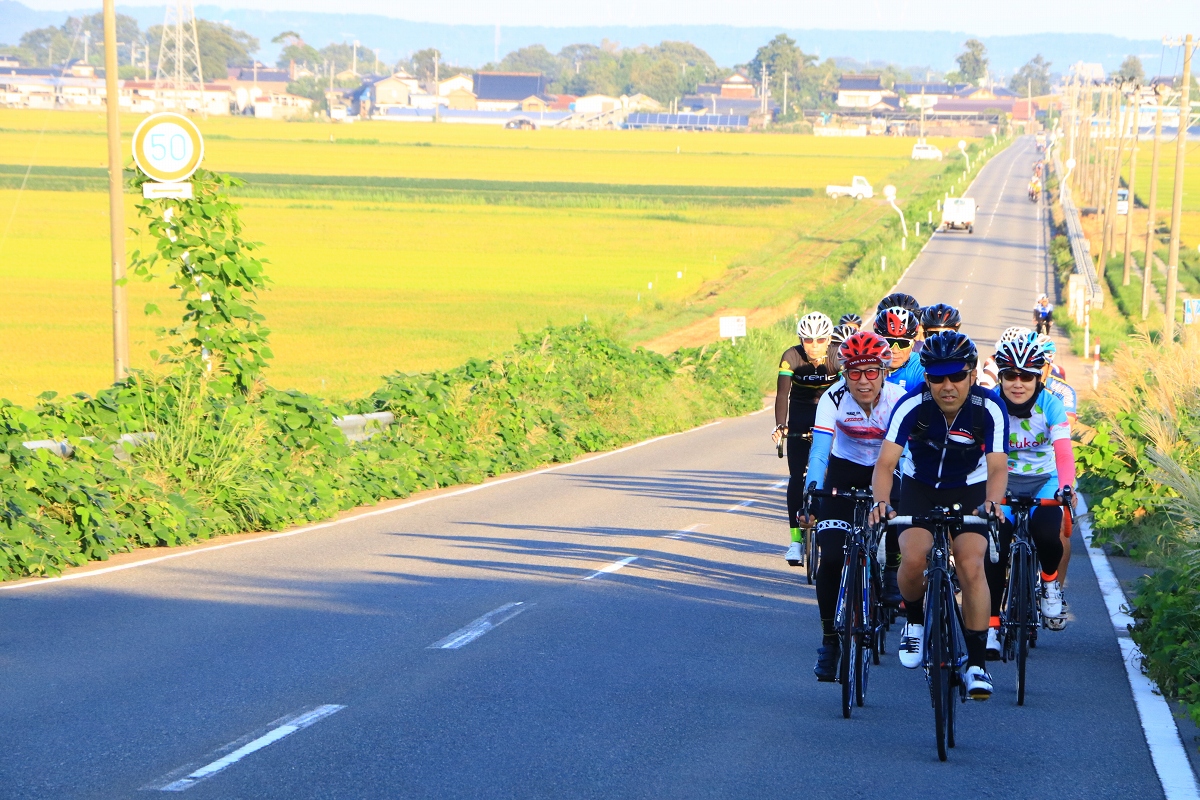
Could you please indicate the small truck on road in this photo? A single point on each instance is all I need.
(859, 189)
(958, 213)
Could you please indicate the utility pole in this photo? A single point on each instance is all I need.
(1098, 148)
(1029, 108)
(1108, 246)
(1148, 268)
(922, 137)
(785, 83)
(116, 196)
(1133, 155)
(1185, 108)
(1085, 171)
(354, 62)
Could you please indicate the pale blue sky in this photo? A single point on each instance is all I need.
(1139, 19)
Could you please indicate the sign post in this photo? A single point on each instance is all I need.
(1191, 311)
(732, 328)
(167, 148)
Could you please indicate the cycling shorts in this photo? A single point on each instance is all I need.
(921, 498)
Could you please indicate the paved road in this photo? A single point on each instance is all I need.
(685, 673)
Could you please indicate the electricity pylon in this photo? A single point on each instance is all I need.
(179, 69)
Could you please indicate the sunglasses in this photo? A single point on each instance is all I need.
(810, 340)
(1016, 375)
(954, 377)
(871, 373)
(900, 344)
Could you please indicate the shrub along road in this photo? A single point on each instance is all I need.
(622, 626)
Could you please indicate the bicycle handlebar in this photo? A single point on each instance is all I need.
(965, 519)
(849, 494)
(909, 520)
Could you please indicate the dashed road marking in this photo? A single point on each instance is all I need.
(613, 567)
(472, 631)
(235, 751)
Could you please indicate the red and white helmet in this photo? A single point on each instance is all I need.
(897, 323)
(865, 349)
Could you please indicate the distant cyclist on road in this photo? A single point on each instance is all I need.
(1043, 314)
(1041, 461)
(851, 420)
(957, 434)
(805, 372)
(939, 317)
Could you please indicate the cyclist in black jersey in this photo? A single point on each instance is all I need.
(805, 372)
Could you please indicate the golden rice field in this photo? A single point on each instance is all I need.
(366, 288)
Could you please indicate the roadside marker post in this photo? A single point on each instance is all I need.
(168, 149)
(732, 328)
(1096, 367)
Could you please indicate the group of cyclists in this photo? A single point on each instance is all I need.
(904, 406)
(1035, 182)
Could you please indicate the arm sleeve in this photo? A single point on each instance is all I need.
(1064, 461)
(818, 457)
(997, 436)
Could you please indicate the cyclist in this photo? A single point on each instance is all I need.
(1043, 314)
(939, 317)
(898, 326)
(805, 372)
(988, 375)
(840, 334)
(901, 300)
(1041, 461)
(1055, 379)
(1035, 188)
(853, 320)
(957, 435)
(851, 420)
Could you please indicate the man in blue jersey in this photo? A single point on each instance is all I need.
(957, 437)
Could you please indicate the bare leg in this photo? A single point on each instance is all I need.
(969, 551)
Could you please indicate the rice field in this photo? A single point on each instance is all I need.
(367, 282)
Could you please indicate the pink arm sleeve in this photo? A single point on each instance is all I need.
(1064, 462)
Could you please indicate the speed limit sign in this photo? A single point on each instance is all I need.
(168, 148)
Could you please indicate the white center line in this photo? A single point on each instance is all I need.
(469, 633)
(613, 567)
(284, 727)
(683, 534)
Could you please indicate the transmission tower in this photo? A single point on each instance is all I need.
(179, 68)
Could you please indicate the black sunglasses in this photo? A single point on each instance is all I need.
(1018, 375)
(954, 377)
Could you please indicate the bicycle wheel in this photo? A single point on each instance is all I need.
(954, 683)
(862, 661)
(937, 660)
(848, 670)
(1024, 594)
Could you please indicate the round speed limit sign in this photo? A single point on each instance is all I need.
(167, 147)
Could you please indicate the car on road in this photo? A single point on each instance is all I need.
(958, 213)
(1122, 201)
(926, 152)
(859, 189)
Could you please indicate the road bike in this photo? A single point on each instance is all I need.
(945, 642)
(860, 620)
(1020, 615)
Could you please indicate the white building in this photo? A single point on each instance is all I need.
(596, 104)
(464, 82)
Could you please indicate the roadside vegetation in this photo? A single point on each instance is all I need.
(1140, 455)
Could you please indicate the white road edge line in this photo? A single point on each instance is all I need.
(287, 728)
(1158, 724)
(35, 583)
(472, 631)
(613, 567)
(685, 532)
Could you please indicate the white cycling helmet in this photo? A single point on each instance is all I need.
(1047, 345)
(1013, 334)
(814, 326)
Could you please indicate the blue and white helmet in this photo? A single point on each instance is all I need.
(1025, 355)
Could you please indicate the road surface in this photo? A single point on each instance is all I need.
(621, 627)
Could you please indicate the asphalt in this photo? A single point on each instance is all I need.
(687, 673)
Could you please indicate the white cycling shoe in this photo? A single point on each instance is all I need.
(1052, 599)
(912, 645)
(979, 683)
(795, 553)
(993, 645)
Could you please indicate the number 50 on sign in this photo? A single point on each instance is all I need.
(167, 148)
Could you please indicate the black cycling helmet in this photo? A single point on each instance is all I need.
(940, 315)
(896, 323)
(905, 301)
(851, 319)
(948, 352)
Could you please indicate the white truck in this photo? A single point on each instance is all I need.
(859, 189)
(958, 213)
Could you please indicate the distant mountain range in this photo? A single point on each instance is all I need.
(474, 45)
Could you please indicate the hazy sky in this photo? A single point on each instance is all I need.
(1139, 19)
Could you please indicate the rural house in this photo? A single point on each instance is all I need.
(504, 91)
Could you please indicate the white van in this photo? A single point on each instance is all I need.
(926, 152)
(1122, 201)
(958, 213)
